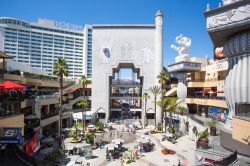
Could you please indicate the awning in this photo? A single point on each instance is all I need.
(11, 136)
(11, 85)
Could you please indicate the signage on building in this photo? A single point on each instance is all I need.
(11, 136)
(68, 26)
(33, 145)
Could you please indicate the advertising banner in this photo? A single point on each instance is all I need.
(33, 145)
(11, 136)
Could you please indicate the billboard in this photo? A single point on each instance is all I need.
(11, 136)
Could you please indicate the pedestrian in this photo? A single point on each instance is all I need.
(110, 135)
(179, 162)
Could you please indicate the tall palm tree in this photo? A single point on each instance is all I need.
(155, 91)
(145, 98)
(172, 106)
(163, 78)
(163, 103)
(60, 69)
(84, 104)
(84, 82)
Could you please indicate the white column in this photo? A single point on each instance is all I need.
(158, 53)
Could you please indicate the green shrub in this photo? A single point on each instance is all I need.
(99, 125)
(90, 138)
(171, 130)
(204, 134)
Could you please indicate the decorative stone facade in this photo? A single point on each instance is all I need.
(115, 45)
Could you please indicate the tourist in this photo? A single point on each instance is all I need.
(179, 162)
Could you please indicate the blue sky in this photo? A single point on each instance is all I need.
(180, 17)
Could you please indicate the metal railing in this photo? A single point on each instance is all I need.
(207, 97)
(49, 115)
(206, 80)
(125, 95)
(192, 117)
(230, 159)
(242, 110)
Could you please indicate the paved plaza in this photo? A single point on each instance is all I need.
(184, 148)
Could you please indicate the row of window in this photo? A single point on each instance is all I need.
(27, 25)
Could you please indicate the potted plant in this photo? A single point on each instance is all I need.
(212, 124)
(203, 139)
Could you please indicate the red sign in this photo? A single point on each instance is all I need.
(33, 145)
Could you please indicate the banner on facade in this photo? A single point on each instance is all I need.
(11, 136)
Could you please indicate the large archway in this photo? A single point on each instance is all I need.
(125, 92)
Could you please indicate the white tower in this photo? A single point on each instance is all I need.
(158, 53)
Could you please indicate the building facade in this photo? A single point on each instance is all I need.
(137, 48)
(88, 50)
(40, 44)
(228, 27)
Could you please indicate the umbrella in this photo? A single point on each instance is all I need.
(144, 141)
(46, 151)
(117, 141)
(91, 126)
(12, 85)
(47, 140)
(111, 146)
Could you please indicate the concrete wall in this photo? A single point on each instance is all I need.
(239, 126)
(13, 121)
(209, 102)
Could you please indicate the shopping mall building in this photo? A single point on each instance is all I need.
(134, 48)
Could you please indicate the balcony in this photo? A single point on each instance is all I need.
(50, 114)
(33, 79)
(205, 82)
(125, 83)
(125, 95)
(217, 102)
(184, 66)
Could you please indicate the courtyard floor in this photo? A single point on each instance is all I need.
(184, 149)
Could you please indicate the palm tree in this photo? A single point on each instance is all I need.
(163, 103)
(60, 69)
(163, 78)
(145, 98)
(155, 91)
(84, 82)
(172, 106)
(84, 104)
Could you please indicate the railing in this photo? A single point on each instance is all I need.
(124, 82)
(125, 95)
(206, 80)
(11, 96)
(49, 115)
(7, 113)
(207, 97)
(224, 161)
(242, 110)
(28, 160)
(129, 107)
(192, 117)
